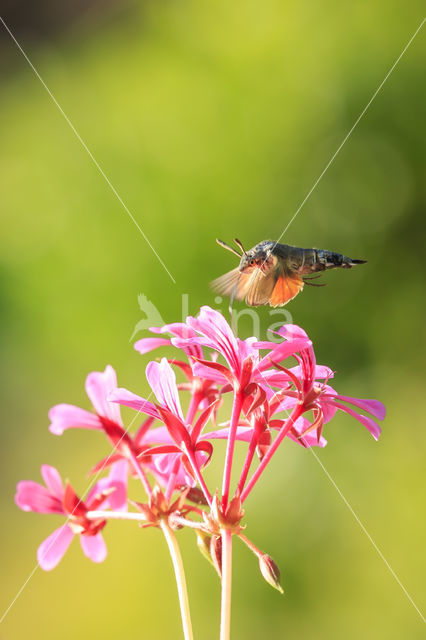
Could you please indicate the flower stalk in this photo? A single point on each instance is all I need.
(235, 416)
(180, 579)
(297, 412)
(226, 593)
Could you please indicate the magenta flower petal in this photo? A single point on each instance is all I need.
(243, 434)
(129, 399)
(117, 480)
(148, 344)
(213, 326)
(98, 387)
(193, 341)
(308, 440)
(328, 411)
(182, 331)
(202, 371)
(369, 423)
(31, 496)
(292, 331)
(217, 369)
(375, 407)
(279, 378)
(162, 380)
(159, 435)
(53, 481)
(94, 547)
(52, 550)
(67, 416)
(178, 329)
(281, 352)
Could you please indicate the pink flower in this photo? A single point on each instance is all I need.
(55, 498)
(245, 366)
(204, 391)
(181, 440)
(98, 386)
(136, 450)
(317, 397)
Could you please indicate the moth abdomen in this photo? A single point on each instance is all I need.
(334, 260)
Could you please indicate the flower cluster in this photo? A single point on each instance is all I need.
(278, 392)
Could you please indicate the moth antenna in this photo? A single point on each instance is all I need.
(240, 245)
(223, 244)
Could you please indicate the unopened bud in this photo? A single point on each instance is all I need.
(270, 572)
(234, 512)
(203, 544)
(196, 496)
(216, 553)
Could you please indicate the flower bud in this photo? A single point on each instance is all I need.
(216, 553)
(234, 512)
(270, 572)
(196, 496)
(203, 544)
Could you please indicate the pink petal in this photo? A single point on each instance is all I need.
(67, 416)
(277, 378)
(52, 550)
(129, 399)
(309, 440)
(247, 349)
(265, 344)
(159, 435)
(243, 434)
(98, 387)
(148, 344)
(223, 371)
(164, 462)
(162, 380)
(328, 410)
(117, 480)
(176, 427)
(179, 329)
(376, 408)
(202, 420)
(94, 547)
(282, 352)
(292, 331)
(211, 324)
(53, 480)
(31, 496)
(369, 423)
(202, 371)
(194, 340)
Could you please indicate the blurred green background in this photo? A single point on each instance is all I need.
(216, 120)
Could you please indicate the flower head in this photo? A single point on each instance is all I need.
(58, 498)
(278, 392)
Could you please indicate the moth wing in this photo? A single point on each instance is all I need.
(234, 283)
(287, 285)
(260, 288)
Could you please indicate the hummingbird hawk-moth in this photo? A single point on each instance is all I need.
(273, 273)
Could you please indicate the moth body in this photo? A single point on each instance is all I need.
(273, 273)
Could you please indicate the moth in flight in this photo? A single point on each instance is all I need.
(273, 273)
